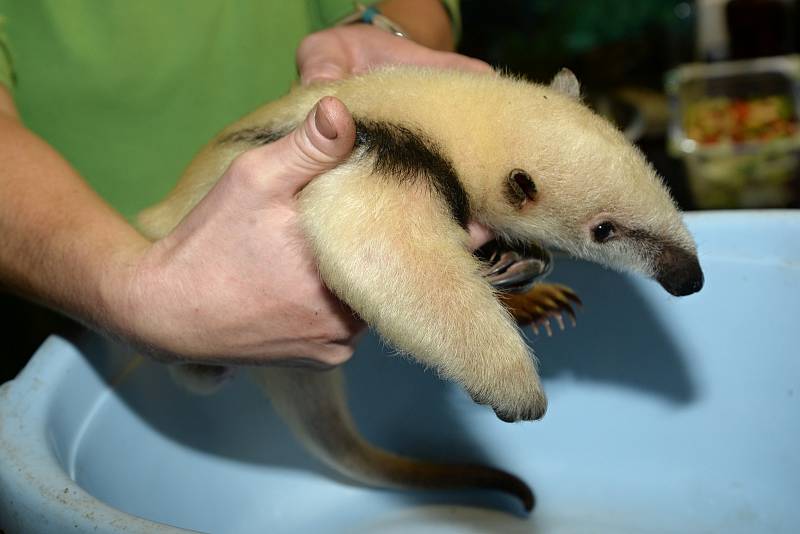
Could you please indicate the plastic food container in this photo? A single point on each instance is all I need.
(666, 415)
(736, 126)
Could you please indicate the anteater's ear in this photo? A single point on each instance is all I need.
(566, 83)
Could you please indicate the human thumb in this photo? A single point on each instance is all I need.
(323, 141)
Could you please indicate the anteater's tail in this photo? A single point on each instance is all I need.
(313, 403)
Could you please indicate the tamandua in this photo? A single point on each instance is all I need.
(435, 149)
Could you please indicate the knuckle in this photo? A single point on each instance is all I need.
(309, 156)
(312, 41)
(293, 155)
(313, 152)
(248, 169)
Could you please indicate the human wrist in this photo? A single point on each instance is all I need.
(426, 22)
(110, 309)
(372, 15)
(140, 299)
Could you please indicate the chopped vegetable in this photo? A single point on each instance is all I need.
(720, 120)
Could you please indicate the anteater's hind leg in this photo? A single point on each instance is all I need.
(394, 254)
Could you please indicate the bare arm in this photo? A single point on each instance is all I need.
(62, 245)
(58, 240)
(426, 22)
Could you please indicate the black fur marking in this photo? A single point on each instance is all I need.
(643, 236)
(397, 150)
(256, 136)
(410, 155)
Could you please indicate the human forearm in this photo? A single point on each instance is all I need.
(230, 284)
(426, 21)
(60, 243)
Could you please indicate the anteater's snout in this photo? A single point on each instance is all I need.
(685, 283)
(679, 272)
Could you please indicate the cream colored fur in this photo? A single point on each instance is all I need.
(391, 250)
(378, 241)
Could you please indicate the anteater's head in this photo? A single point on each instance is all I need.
(572, 181)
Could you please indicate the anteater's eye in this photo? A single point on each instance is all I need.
(604, 231)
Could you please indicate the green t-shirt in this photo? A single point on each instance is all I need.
(128, 91)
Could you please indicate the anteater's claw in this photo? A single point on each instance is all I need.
(547, 328)
(541, 304)
(517, 273)
(571, 313)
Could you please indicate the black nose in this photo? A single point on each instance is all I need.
(680, 284)
(679, 272)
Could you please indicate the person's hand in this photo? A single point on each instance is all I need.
(235, 283)
(238, 263)
(344, 51)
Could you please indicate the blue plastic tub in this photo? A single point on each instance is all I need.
(666, 416)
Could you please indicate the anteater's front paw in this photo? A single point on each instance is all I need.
(516, 402)
(530, 411)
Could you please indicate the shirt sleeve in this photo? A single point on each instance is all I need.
(6, 70)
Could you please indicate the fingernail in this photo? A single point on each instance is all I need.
(323, 122)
